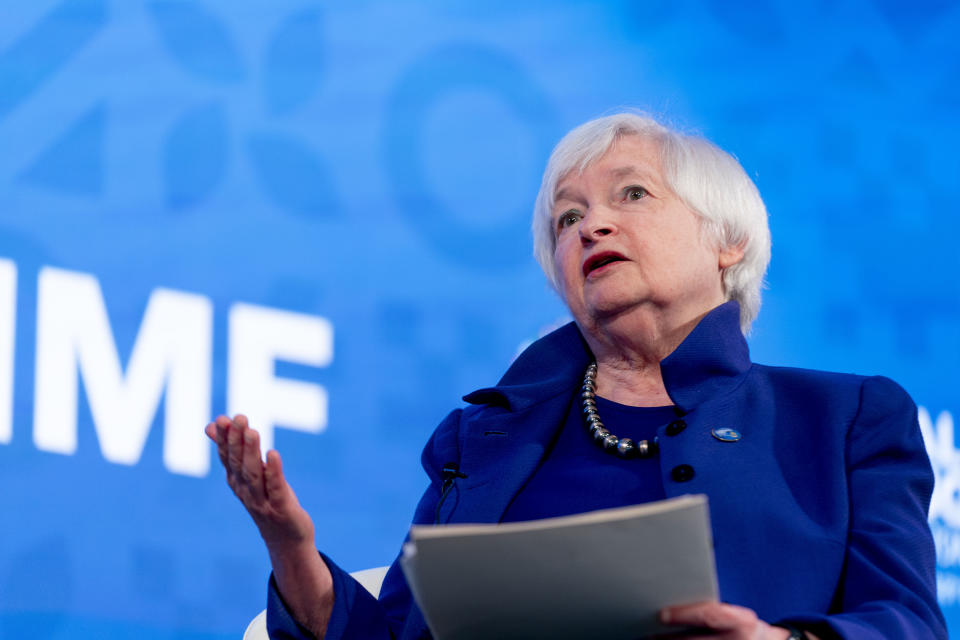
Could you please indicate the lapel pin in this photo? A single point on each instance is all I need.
(726, 434)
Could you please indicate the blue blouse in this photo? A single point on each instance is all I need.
(578, 475)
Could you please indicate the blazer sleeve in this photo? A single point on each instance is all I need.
(357, 615)
(888, 584)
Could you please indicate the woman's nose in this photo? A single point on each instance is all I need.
(596, 224)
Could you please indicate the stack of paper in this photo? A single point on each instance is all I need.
(603, 574)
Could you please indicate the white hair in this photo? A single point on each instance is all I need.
(706, 178)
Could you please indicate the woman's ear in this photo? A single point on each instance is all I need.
(731, 255)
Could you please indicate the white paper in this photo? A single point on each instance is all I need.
(599, 574)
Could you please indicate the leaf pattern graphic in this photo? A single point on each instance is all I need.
(292, 174)
(198, 41)
(294, 62)
(195, 155)
(39, 54)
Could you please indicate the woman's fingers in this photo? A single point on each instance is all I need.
(280, 494)
(737, 622)
(222, 425)
(252, 470)
(274, 482)
(712, 615)
(213, 432)
(238, 446)
(289, 520)
(235, 447)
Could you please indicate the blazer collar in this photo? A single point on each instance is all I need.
(710, 362)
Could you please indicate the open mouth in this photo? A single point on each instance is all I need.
(601, 260)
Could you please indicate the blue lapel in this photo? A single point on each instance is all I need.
(501, 452)
(505, 437)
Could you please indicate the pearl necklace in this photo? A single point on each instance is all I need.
(625, 447)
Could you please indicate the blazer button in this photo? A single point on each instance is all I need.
(676, 427)
(682, 473)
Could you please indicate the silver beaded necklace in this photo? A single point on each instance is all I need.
(625, 447)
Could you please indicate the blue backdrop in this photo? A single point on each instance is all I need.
(319, 215)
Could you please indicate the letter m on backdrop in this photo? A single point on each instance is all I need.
(173, 351)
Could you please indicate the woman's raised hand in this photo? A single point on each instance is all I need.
(302, 576)
(261, 488)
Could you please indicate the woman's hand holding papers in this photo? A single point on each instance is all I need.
(727, 622)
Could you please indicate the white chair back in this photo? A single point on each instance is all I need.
(371, 579)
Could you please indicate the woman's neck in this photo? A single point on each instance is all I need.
(628, 349)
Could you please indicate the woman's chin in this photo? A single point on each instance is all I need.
(610, 307)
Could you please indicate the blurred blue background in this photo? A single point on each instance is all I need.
(372, 165)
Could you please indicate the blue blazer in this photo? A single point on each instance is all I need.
(819, 511)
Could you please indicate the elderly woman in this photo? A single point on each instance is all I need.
(818, 482)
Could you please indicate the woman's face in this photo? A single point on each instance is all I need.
(626, 242)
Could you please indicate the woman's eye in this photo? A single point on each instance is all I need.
(634, 193)
(567, 219)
